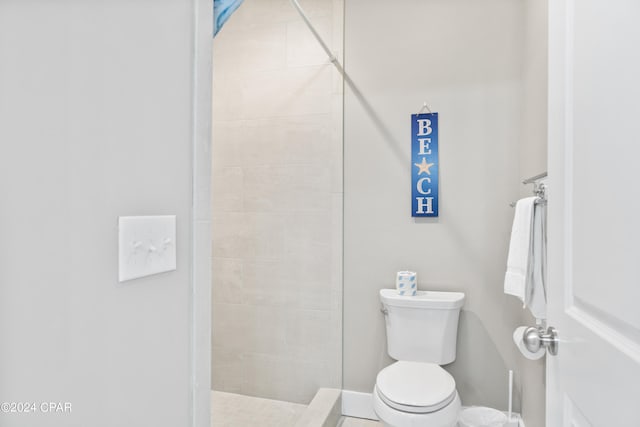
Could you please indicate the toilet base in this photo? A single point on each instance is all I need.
(390, 417)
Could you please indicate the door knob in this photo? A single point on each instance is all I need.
(535, 338)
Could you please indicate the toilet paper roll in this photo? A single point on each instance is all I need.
(517, 338)
(407, 283)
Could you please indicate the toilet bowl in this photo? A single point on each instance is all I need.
(416, 391)
(416, 394)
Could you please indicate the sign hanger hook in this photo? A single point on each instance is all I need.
(425, 107)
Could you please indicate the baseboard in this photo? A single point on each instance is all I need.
(358, 405)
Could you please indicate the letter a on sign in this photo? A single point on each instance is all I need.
(424, 165)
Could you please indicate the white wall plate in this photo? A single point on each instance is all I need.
(146, 245)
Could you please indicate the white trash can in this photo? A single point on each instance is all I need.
(480, 416)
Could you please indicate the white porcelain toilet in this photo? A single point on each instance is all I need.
(421, 335)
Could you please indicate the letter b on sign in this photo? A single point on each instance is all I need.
(424, 127)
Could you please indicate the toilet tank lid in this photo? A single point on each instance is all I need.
(423, 299)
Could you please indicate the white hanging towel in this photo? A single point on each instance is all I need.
(536, 296)
(526, 263)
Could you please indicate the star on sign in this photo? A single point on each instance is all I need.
(424, 166)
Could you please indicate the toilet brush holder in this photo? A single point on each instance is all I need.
(480, 416)
(514, 422)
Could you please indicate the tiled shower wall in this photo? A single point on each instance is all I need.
(277, 202)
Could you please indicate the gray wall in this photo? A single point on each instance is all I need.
(533, 160)
(465, 58)
(96, 118)
(277, 202)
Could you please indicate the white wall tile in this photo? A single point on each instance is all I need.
(227, 369)
(228, 141)
(312, 294)
(227, 189)
(230, 235)
(257, 12)
(250, 49)
(302, 47)
(288, 92)
(309, 335)
(287, 140)
(229, 278)
(264, 283)
(287, 188)
(277, 229)
(271, 377)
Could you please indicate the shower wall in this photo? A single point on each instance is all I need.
(277, 202)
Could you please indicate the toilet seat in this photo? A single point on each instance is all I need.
(415, 387)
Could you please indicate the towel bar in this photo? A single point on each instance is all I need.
(539, 189)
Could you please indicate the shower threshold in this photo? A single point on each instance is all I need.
(237, 410)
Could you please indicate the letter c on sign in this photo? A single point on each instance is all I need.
(420, 185)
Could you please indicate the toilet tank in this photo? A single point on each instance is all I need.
(424, 327)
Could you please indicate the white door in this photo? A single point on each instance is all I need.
(594, 213)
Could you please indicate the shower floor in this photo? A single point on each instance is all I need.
(236, 410)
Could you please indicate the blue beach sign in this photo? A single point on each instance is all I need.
(424, 165)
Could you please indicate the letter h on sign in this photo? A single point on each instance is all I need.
(424, 165)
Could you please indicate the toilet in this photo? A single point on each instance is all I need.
(421, 335)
